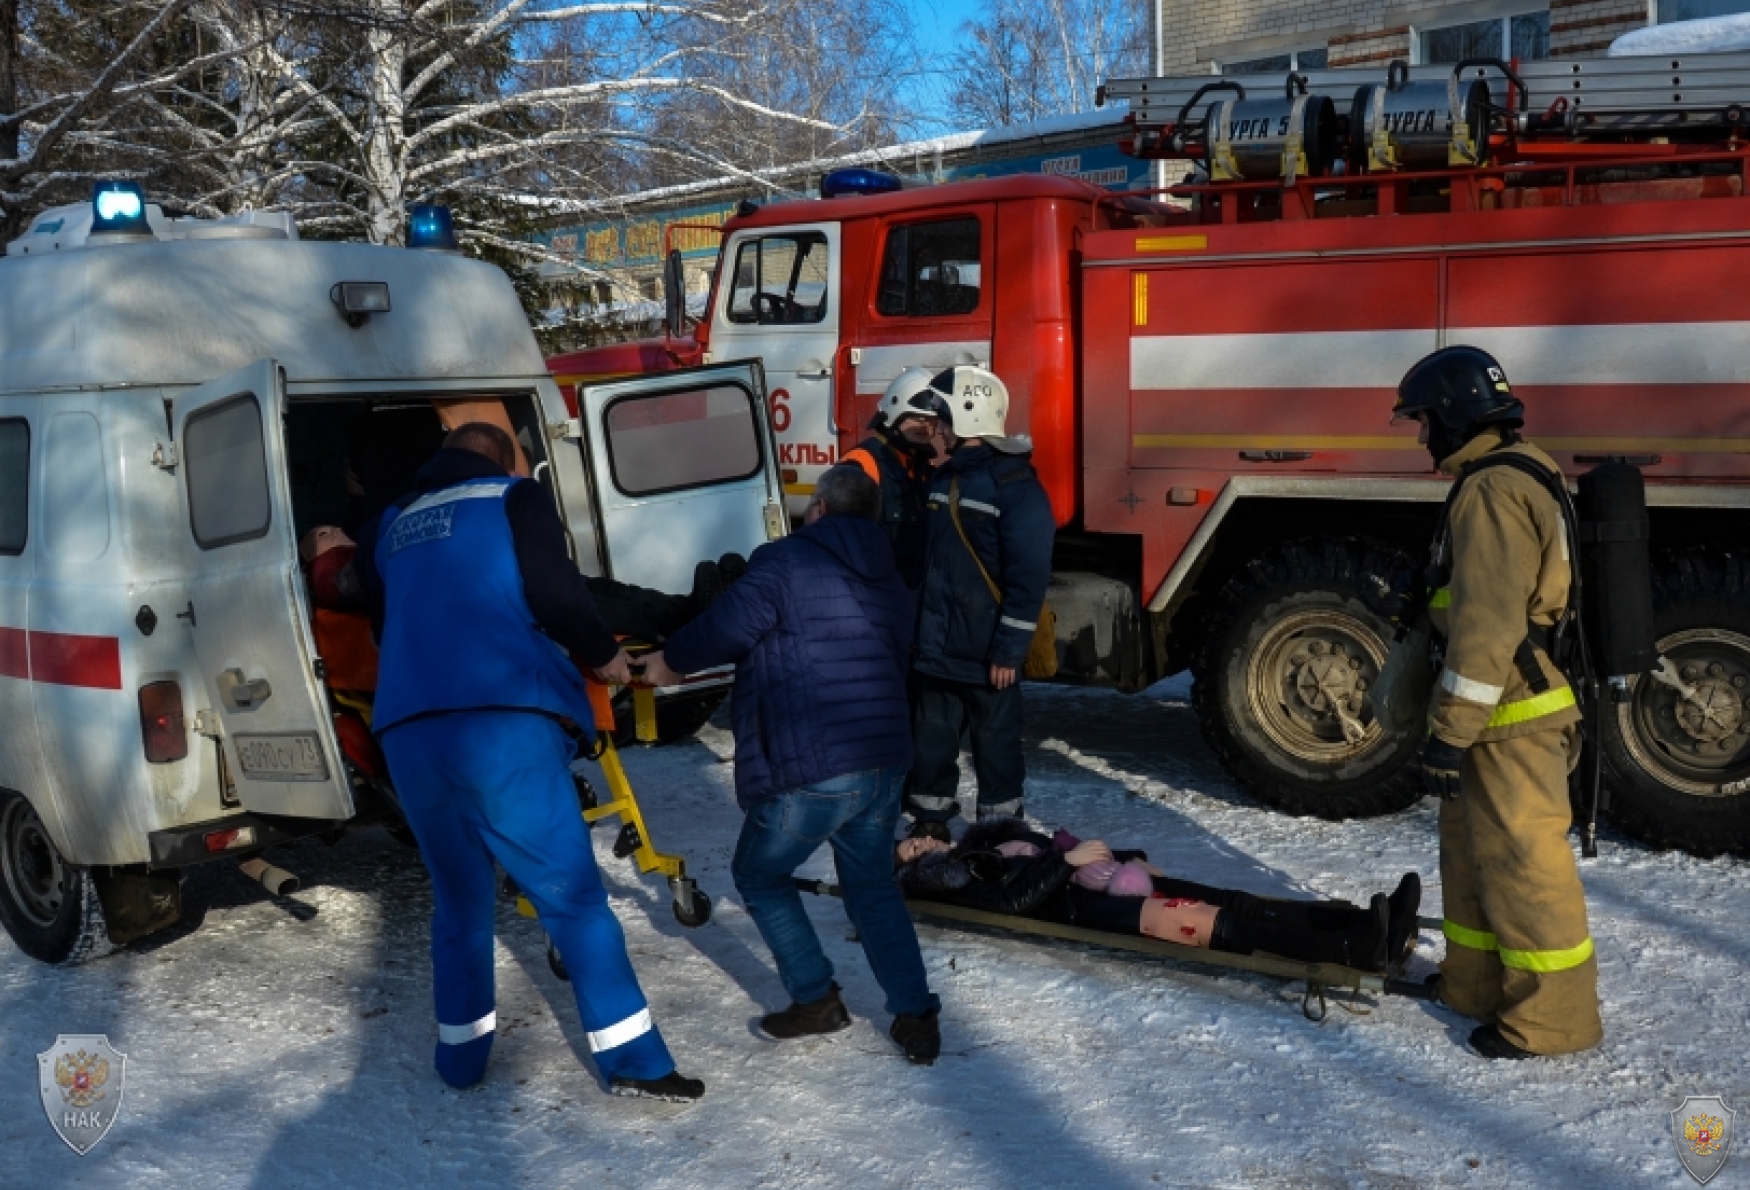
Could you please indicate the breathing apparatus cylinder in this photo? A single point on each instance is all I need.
(1398, 124)
(1616, 571)
(1262, 139)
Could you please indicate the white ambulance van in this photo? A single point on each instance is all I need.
(180, 401)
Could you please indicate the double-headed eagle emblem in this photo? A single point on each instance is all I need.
(81, 1077)
(1704, 1134)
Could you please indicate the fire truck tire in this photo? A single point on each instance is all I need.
(1677, 763)
(677, 719)
(49, 907)
(1289, 647)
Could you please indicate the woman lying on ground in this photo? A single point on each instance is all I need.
(1005, 866)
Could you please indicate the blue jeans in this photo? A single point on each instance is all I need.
(855, 813)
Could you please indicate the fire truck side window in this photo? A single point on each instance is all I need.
(780, 279)
(664, 442)
(226, 462)
(930, 270)
(14, 484)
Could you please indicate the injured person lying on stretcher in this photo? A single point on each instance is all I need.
(1005, 866)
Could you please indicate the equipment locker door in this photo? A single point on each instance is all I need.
(685, 470)
(248, 609)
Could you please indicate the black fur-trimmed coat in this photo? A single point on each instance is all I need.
(975, 874)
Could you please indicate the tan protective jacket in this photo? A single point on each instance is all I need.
(1508, 555)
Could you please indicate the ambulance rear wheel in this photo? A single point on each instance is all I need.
(677, 719)
(1677, 761)
(1280, 683)
(49, 907)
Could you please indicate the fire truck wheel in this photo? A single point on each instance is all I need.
(1280, 683)
(1677, 761)
(677, 719)
(48, 906)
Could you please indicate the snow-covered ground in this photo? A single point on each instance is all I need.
(287, 1043)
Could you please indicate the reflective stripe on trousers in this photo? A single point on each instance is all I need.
(1522, 960)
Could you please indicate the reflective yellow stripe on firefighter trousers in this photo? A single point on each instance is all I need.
(1523, 960)
(1523, 710)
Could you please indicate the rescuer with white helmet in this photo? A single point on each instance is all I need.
(987, 559)
(898, 456)
(1503, 721)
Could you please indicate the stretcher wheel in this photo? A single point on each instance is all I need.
(557, 964)
(700, 914)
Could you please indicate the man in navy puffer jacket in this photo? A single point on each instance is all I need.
(819, 630)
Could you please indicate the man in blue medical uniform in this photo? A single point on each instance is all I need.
(479, 709)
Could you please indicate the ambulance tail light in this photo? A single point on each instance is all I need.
(235, 839)
(161, 723)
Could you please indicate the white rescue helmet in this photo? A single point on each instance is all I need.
(908, 396)
(978, 405)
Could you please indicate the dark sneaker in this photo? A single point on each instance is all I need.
(919, 1036)
(1403, 907)
(930, 830)
(1432, 983)
(673, 1086)
(1364, 944)
(731, 567)
(1487, 1041)
(708, 584)
(825, 1015)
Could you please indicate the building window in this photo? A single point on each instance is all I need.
(1317, 59)
(1525, 37)
(1690, 10)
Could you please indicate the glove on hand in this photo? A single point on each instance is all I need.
(1441, 763)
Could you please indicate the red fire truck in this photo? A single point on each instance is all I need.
(1208, 381)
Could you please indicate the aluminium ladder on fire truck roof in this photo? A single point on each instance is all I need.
(1645, 95)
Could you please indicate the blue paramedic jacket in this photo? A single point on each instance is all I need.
(478, 596)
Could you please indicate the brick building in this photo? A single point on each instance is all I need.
(1275, 35)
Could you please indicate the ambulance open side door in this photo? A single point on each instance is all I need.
(685, 469)
(247, 609)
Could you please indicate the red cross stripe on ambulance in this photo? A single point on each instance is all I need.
(61, 658)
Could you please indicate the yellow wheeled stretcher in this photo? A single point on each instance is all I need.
(692, 908)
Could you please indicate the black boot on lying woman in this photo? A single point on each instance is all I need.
(1005, 866)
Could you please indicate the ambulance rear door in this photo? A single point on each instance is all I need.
(685, 469)
(247, 609)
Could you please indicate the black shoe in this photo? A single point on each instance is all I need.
(1404, 904)
(930, 830)
(1487, 1041)
(919, 1036)
(825, 1015)
(708, 584)
(731, 567)
(1432, 983)
(1364, 944)
(673, 1086)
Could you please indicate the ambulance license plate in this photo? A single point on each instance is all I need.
(281, 757)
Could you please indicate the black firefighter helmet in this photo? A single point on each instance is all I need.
(1462, 390)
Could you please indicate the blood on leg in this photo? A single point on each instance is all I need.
(1178, 919)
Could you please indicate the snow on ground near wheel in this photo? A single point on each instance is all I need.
(266, 1050)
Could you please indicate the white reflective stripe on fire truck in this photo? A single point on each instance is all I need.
(976, 505)
(1325, 359)
(630, 1029)
(467, 491)
(878, 366)
(462, 1034)
(1469, 689)
(1023, 625)
(1633, 353)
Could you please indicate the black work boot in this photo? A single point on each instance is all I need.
(825, 1015)
(1487, 1041)
(1403, 906)
(930, 830)
(673, 1086)
(919, 1036)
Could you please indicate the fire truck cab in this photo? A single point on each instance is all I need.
(181, 400)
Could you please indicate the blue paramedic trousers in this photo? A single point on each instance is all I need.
(479, 786)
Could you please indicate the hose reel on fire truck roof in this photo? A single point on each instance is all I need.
(1400, 124)
(1257, 140)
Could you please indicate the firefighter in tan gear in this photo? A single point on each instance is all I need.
(1503, 724)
